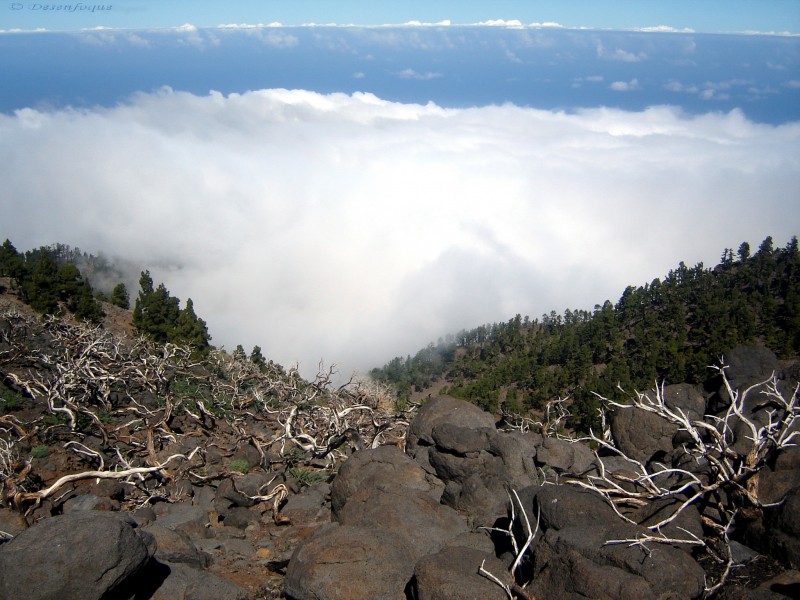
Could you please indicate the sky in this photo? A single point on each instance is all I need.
(352, 194)
(707, 16)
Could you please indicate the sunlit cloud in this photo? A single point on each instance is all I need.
(511, 24)
(664, 29)
(353, 229)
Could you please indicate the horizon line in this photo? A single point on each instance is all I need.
(446, 23)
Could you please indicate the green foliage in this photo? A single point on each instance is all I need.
(240, 466)
(9, 401)
(667, 330)
(40, 452)
(48, 281)
(120, 296)
(11, 261)
(190, 330)
(157, 315)
(257, 358)
(305, 476)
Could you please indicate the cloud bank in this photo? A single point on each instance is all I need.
(353, 229)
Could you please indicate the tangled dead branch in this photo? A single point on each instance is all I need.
(720, 459)
(146, 402)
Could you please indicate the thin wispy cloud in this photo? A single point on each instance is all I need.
(412, 74)
(352, 229)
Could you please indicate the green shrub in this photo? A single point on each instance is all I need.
(40, 452)
(9, 401)
(305, 476)
(239, 465)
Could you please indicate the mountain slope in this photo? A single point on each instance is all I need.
(668, 330)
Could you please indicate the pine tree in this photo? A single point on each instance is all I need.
(257, 358)
(41, 289)
(85, 305)
(156, 312)
(190, 330)
(11, 261)
(120, 296)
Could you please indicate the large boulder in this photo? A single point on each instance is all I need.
(185, 583)
(385, 467)
(452, 574)
(576, 562)
(783, 529)
(573, 559)
(388, 516)
(458, 443)
(643, 435)
(83, 555)
(443, 409)
(343, 562)
(565, 457)
(423, 523)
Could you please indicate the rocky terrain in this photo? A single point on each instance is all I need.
(135, 471)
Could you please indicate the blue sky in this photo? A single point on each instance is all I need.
(702, 16)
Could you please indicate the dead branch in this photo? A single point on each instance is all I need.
(713, 445)
(513, 588)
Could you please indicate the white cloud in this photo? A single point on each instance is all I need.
(248, 25)
(512, 23)
(547, 25)
(444, 23)
(625, 86)
(412, 74)
(353, 229)
(619, 54)
(664, 29)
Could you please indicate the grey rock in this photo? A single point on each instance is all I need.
(343, 562)
(84, 555)
(89, 502)
(443, 409)
(640, 434)
(576, 562)
(423, 524)
(452, 574)
(308, 506)
(454, 439)
(176, 547)
(562, 506)
(782, 525)
(185, 583)
(185, 517)
(566, 457)
(383, 468)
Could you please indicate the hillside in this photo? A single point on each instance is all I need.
(670, 329)
(191, 468)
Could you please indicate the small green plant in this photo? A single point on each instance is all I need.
(40, 452)
(54, 419)
(239, 465)
(9, 401)
(305, 476)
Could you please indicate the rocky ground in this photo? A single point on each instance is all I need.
(129, 472)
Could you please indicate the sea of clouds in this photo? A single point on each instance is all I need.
(351, 229)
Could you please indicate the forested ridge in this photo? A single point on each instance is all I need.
(56, 279)
(670, 329)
